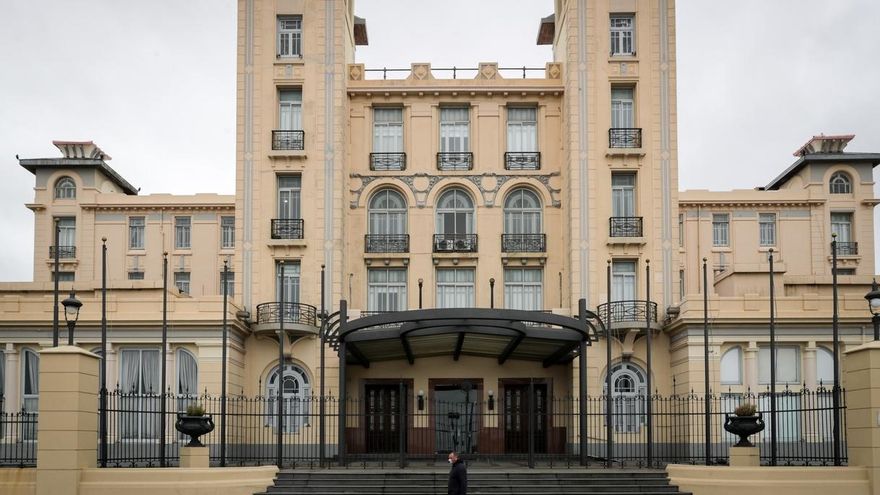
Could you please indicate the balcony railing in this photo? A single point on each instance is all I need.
(287, 228)
(523, 243)
(628, 312)
(843, 249)
(625, 226)
(64, 252)
(455, 160)
(522, 160)
(288, 140)
(365, 314)
(625, 137)
(386, 243)
(387, 161)
(273, 312)
(455, 243)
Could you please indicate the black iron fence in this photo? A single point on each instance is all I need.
(288, 140)
(391, 426)
(625, 226)
(273, 312)
(64, 252)
(455, 243)
(522, 160)
(625, 137)
(627, 311)
(387, 161)
(523, 243)
(845, 248)
(287, 228)
(386, 243)
(455, 160)
(18, 437)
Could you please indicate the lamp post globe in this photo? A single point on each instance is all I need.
(71, 314)
(873, 298)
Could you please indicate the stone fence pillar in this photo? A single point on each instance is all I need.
(862, 368)
(67, 434)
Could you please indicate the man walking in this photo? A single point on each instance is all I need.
(457, 476)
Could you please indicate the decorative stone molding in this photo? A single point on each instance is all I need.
(355, 72)
(420, 72)
(553, 70)
(488, 70)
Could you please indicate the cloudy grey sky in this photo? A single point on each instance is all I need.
(153, 83)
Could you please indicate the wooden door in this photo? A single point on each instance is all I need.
(516, 418)
(383, 428)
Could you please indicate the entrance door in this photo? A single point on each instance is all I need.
(456, 417)
(383, 428)
(516, 418)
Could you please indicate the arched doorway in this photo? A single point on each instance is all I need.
(296, 392)
(628, 391)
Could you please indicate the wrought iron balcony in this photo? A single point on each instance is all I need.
(291, 312)
(288, 140)
(455, 243)
(455, 160)
(64, 252)
(626, 312)
(387, 161)
(287, 228)
(625, 137)
(386, 243)
(843, 249)
(523, 243)
(522, 160)
(625, 226)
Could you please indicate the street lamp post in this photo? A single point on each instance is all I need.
(71, 314)
(873, 298)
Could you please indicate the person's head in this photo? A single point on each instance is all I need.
(453, 457)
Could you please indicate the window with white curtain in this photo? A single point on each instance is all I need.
(731, 366)
(824, 367)
(522, 129)
(387, 130)
(136, 232)
(767, 229)
(622, 108)
(720, 229)
(139, 375)
(387, 213)
(182, 232)
(623, 195)
(455, 288)
(67, 233)
(455, 213)
(522, 212)
(182, 282)
(30, 389)
(840, 183)
(386, 289)
(296, 392)
(289, 36)
(289, 196)
(623, 280)
(841, 224)
(454, 129)
(628, 390)
(290, 110)
(788, 365)
(622, 31)
(65, 188)
(230, 282)
(523, 289)
(187, 382)
(227, 232)
(288, 276)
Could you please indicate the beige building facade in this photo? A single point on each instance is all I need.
(427, 188)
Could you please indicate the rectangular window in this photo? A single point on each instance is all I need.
(623, 280)
(139, 373)
(136, 275)
(623, 195)
(522, 129)
(182, 232)
(136, 226)
(622, 31)
(455, 288)
(841, 224)
(767, 228)
(67, 234)
(230, 282)
(65, 277)
(454, 129)
(523, 289)
(787, 365)
(622, 108)
(289, 194)
(720, 229)
(290, 36)
(181, 281)
(387, 130)
(386, 290)
(681, 286)
(681, 230)
(227, 232)
(287, 276)
(846, 271)
(290, 110)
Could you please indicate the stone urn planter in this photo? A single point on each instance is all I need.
(194, 423)
(745, 421)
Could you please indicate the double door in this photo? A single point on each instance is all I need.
(525, 412)
(382, 416)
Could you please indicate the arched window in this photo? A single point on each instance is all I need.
(455, 223)
(824, 367)
(628, 392)
(296, 391)
(187, 373)
(30, 389)
(731, 367)
(840, 183)
(387, 213)
(65, 188)
(522, 212)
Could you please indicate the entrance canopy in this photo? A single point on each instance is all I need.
(494, 333)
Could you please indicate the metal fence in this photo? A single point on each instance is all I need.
(18, 437)
(517, 428)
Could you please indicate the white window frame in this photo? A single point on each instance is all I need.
(523, 212)
(289, 38)
(382, 291)
(767, 229)
(731, 357)
(840, 183)
(764, 364)
(183, 281)
(290, 274)
(522, 290)
(230, 281)
(454, 132)
(183, 232)
(462, 291)
(137, 226)
(824, 359)
(389, 218)
(624, 282)
(628, 405)
(138, 400)
(623, 107)
(842, 225)
(297, 406)
(457, 215)
(622, 30)
(623, 194)
(292, 195)
(227, 232)
(136, 274)
(387, 131)
(66, 232)
(65, 188)
(522, 129)
(721, 229)
(290, 110)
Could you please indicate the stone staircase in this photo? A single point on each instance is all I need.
(480, 482)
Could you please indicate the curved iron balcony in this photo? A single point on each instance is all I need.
(287, 228)
(522, 160)
(455, 243)
(64, 252)
(628, 314)
(523, 243)
(625, 137)
(386, 243)
(288, 140)
(387, 161)
(843, 249)
(299, 318)
(625, 226)
(455, 160)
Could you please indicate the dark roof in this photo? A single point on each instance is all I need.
(32, 164)
(547, 30)
(872, 158)
(360, 31)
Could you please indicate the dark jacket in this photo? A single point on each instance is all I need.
(458, 479)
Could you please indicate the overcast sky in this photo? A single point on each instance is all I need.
(153, 84)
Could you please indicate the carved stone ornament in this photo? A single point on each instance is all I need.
(420, 72)
(356, 72)
(554, 70)
(488, 70)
